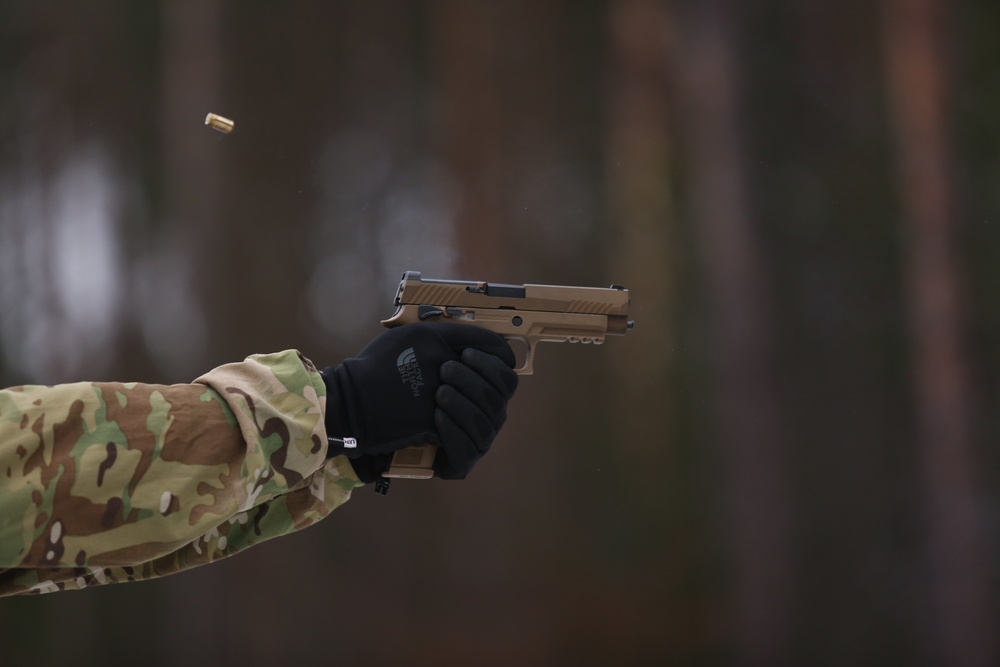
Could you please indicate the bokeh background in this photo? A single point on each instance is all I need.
(791, 460)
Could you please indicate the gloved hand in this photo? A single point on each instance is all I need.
(446, 384)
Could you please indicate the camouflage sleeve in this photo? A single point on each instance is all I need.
(106, 482)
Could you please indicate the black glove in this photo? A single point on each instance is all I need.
(446, 384)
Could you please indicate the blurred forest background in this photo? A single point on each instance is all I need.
(791, 460)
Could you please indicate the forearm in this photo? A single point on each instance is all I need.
(105, 482)
(280, 516)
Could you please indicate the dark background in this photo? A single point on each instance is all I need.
(791, 460)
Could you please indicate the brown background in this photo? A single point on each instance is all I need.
(791, 460)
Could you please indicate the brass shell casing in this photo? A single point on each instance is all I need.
(219, 123)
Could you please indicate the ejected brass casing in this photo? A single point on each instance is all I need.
(219, 123)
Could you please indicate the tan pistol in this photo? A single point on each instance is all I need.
(525, 315)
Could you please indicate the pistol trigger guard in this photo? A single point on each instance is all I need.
(520, 345)
(528, 367)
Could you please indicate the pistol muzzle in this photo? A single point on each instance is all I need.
(619, 324)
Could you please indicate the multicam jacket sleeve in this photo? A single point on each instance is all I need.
(105, 482)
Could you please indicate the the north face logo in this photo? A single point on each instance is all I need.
(409, 371)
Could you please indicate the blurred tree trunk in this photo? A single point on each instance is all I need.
(506, 122)
(473, 128)
(184, 249)
(191, 208)
(471, 131)
(744, 398)
(637, 174)
(918, 84)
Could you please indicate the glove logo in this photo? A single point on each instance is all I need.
(409, 370)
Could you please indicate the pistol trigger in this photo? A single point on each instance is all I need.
(426, 312)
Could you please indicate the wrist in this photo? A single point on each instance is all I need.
(369, 468)
(341, 432)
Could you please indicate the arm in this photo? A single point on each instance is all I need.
(104, 482)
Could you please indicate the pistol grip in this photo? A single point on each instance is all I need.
(412, 462)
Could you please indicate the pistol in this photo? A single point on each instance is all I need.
(525, 315)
